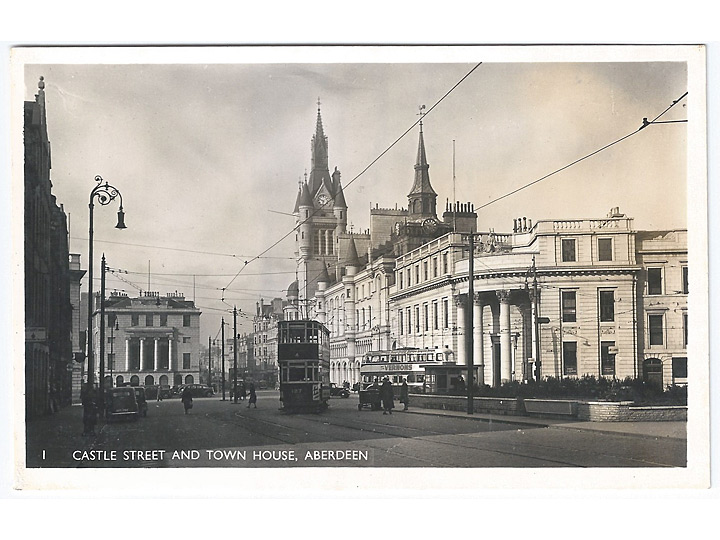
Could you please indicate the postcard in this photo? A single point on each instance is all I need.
(360, 268)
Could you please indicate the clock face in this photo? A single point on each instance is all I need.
(323, 199)
(430, 224)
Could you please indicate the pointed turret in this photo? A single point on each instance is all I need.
(337, 191)
(352, 254)
(324, 276)
(304, 197)
(422, 197)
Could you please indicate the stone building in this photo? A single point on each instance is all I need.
(150, 339)
(48, 310)
(663, 256)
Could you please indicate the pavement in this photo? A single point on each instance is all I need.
(672, 430)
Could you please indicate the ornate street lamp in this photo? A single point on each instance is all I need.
(105, 194)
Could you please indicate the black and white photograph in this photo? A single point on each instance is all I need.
(415, 266)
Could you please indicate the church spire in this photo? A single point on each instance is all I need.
(320, 172)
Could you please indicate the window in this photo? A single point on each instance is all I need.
(426, 317)
(148, 319)
(417, 319)
(445, 263)
(400, 275)
(111, 318)
(570, 358)
(605, 249)
(568, 250)
(163, 319)
(111, 361)
(400, 322)
(607, 358)
(186, 360)
(654, 283)
(685, 287)
(679, 368)
(425, 271)
(435, 316)
(111, 339)
(409, 322)
(607, 306)
(186, 320)
(134, 320)
(446, 314)
(186, 339)
(417, 273)
(655, 324)
(568, 306)
(685, 330)
(435, 267)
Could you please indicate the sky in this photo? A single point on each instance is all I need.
(208, 155)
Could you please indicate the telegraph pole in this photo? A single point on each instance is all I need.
(222, 345)
(209, 359)
(536, 322)
(101, 382)
(235, 345)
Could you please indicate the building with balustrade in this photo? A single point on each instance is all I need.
(150, 339)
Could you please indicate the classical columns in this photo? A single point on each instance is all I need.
(478, 337)
(156, 357)
(505, 346)
(460, 357)
(142, 353)
(170, 352)
(127, 354)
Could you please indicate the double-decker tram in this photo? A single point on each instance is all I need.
(400, 364)
(304, 362)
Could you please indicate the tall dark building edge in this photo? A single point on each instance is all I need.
(48, 308)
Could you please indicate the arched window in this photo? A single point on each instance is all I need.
(134, 380)
(149, 380)
(189, 379)
(119, 380)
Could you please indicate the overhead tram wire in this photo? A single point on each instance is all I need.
(362, 171)
(645, 124)
(199, 252)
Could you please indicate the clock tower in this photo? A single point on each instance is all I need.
(320, 217)
(422, 224)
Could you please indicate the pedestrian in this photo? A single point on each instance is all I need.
(386, 394)
(404, 399)
(89, 411)
(186, 398)
(461, 385)
(253, 396)
(159, 394)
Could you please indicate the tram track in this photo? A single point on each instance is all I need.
(381, 429)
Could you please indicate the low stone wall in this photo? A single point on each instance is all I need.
(459, 403)
(624, 411)
(592, 411)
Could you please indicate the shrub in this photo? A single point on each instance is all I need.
(589, 388)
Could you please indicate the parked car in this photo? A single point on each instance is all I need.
(198, 390)
(165, 391)
(176, 390)
(341, 391)
(121, 403)
(141, 399)
(151, 391)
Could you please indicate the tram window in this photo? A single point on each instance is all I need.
(296, 374)
(419, 378)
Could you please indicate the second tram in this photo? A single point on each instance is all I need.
(304, 362)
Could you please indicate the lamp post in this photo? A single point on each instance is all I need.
(105, 194)
(222, 354)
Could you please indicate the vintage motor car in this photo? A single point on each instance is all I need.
(198, 390)
(340, 391)
(370, 397)
(121, 403)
